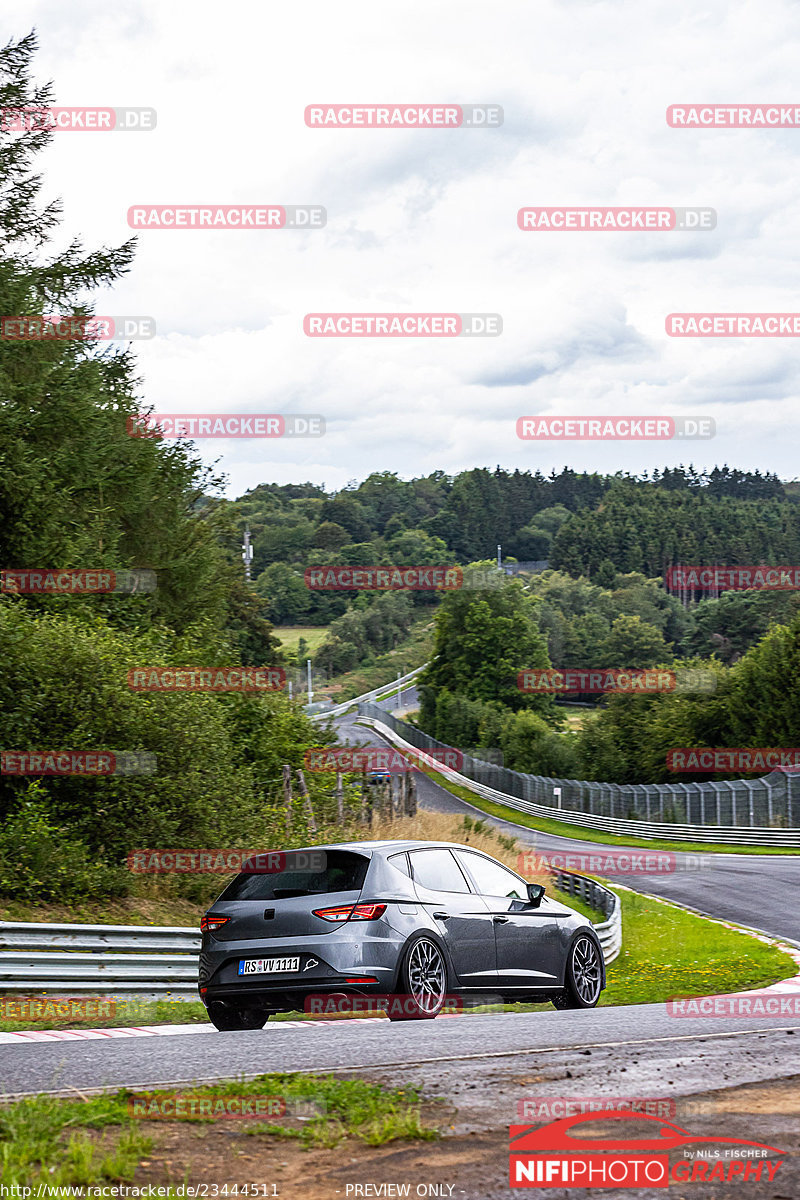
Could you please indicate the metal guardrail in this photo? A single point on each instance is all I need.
(123, 960)
(376, 694)
(776, 796)
(609, 932)
(156, 963)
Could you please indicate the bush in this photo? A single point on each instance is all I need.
(39, 862)
(63, 686)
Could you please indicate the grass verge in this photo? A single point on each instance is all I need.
(99, 1140)
(669, 952)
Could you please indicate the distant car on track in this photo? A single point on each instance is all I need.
(418, 920)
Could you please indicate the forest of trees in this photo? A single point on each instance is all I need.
(76, 491)
(583, 524)
(748, 642)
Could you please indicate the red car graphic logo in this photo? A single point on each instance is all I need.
(557, 1136)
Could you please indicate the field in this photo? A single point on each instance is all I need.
(289, 637)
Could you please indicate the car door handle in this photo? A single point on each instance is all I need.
(442, 916)
(500, 920)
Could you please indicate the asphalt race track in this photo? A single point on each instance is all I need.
(659, 1050)
(755, 890)
(202, 1054)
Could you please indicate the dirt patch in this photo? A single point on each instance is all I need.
(458, 1165)
(473, 1166)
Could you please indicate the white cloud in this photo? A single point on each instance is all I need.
(426, 221)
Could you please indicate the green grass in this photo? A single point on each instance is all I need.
(98, 1140)
(289, 637)
(668, 952)
(579, 905)
(43, 1139)
(564, 829)
(125, 1014)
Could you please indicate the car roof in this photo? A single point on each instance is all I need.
(396, 845)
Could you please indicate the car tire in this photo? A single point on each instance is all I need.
(583, 975)
(226, 1019)
(421, 982)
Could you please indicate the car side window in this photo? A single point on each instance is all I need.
(437, 870)
(491, 878)
(400, 861)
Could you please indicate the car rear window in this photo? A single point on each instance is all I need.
(343, 872)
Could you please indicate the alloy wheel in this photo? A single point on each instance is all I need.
(586, 970)
(426, 976)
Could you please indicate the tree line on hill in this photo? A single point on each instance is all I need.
(470, 693)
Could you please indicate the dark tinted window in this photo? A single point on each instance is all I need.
(438, 870)
(491, 878)
(401, 862)
(343, 872)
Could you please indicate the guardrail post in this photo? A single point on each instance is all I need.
(339, 797)
(287, 796)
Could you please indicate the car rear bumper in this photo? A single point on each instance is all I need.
(334, 963)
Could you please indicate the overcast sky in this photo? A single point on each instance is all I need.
(425, 221)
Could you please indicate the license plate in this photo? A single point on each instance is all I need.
(268, 966)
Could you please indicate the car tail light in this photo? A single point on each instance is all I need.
(351, 912)
(209, 924)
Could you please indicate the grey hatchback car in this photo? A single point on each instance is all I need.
(424, 921)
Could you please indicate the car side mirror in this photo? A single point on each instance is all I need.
(535, 894)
